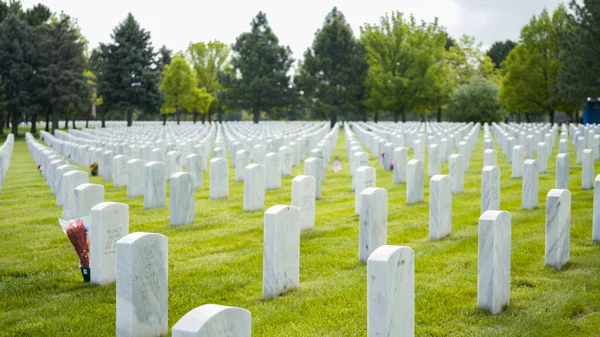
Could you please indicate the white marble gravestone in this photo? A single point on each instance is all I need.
(285, 153)
(373, 221)
(212, 320)
(135, 178)
(360, 159)
(493, 271)
(312, 167)
(457, 173)
(563, 146)
(529, 194)
(193, 165)
(364, 177)
(109, 222)
(562, 171)
(542, 158)
(52, 173)
(414, 182)
(419, 150)
(182, 199)
(518, 157)
(242, 159)
(142, 285)
(258, 154)
(107, 162)
(59, 174)
(119, 170)
(86, 197)
(173, 162)
(254, 187)
(596, 211)
(587, 169)
(391, 292)
(490, 188)
(440, 207)
(464, 150)
(433, 164)
(70, 181)
(281, 256)
(558, 227)
(219, 178)
(400, 161)
(303, 197)
(490, 158)
(155, 186)
(273, 168)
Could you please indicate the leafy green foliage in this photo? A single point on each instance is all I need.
(334, 69)
(476, 102)
(499, 51)
(178, 84)
(126, 69)
(263, 83)
(405, 69)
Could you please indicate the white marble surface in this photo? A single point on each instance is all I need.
(212, 320)
(312, 167)
(107, 162)
(281, 255)
(155, 186)
(542, 157)
(440, 207)
(360, 159)
(303, 197)
(558, 227)
(174, 164)
(562, 171)
(596, 212)
(52, 174)
(373, 221)
(219, 178)
(490, 188)
(400, 162)
(391, 292)
(493, 271)
(59, 174)
(86, 197)
(414, 182)
(254, 187)
(181, 199)
(109, 222)
(285, 153)
(135, 178)
(419, 150)
(273, 168)
(242, 159)
(530, 147)
(433, 164)
(463, 148)
(563, 146)
(70, 181)
(587, 169)
(457, 172)
(579, 147)
(490, 157)
(365, 177)
(193, 165)
(142, 285)
(518, 156)
(120, 170)
(530, 185)
(258, 154)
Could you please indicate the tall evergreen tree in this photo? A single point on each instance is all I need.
(499, 51)
(335, 67)
(263, 65)
(126, 69)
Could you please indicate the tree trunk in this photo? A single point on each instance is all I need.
(87, 119)
(396, 116)
(365, 116)
(403, 116)
(209, 119)
(178, 115)
(55, 120)
(333, 120)
(195, 117)
(376, 117)
(551, 117)
(47, 122)
(202, 118)
(33, 123)
(66, 122)
(256, 113)
(103, 117)
(164, 119)
(73, 122)
(15, 124)
(439, 114)
(8, 119)
(130, 117)
(528, 118)
(220, 116)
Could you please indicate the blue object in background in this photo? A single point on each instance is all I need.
(591, 111)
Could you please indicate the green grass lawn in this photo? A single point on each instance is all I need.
(218, 260)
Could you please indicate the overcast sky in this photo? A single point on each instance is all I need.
(176, 23)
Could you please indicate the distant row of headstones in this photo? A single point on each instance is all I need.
(6, 151)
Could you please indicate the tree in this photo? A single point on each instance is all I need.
(95, 99)
(127, 73)
(336, 67)
(178, 84)
(499, 51)
(209, 60)
(476, 101)
(579, 76)
(532, 68)
(405, 64)
(263, 65)
(198, 102)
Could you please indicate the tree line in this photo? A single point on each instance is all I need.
(398, 69)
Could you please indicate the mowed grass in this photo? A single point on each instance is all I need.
(218, 260)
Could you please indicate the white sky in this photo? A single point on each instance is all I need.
(176, 23)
